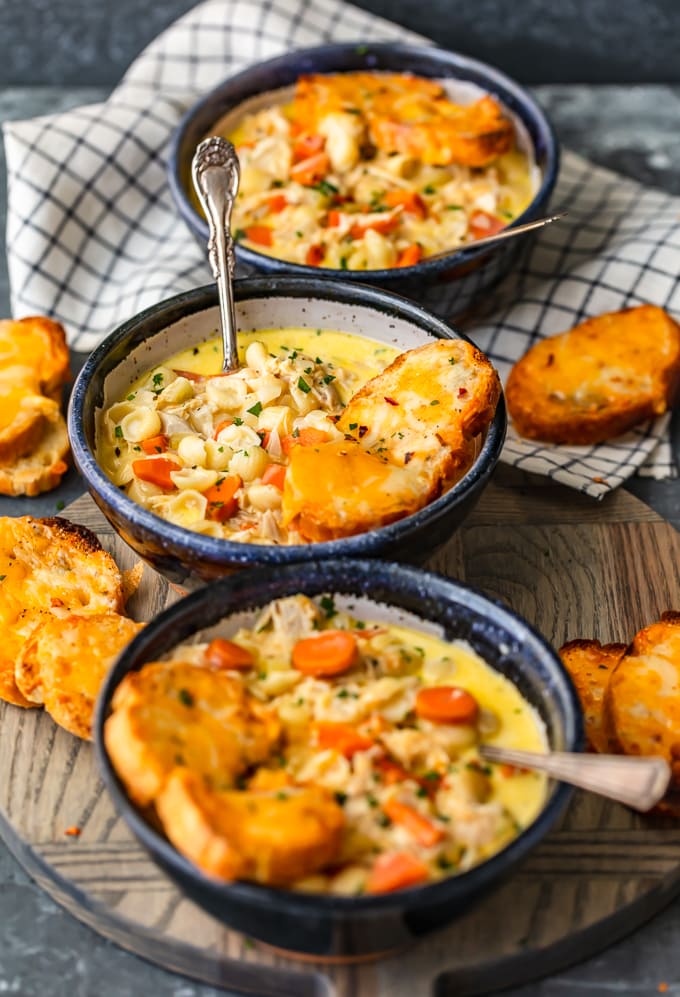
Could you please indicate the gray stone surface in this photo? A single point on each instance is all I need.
(43, 950)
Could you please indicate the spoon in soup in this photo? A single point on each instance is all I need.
(505, 233)
(216, 175)
(639, 782)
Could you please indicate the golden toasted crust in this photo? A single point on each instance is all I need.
(65, 660)
(272, 837)
(43, 467)
(597, 380)
(642, 700)
(175, 713)
(39, 343)
(52, 566)
(409, 433)
(590, 665)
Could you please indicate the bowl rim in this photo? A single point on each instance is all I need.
(217, 549)
(444, 57)
(412, 580)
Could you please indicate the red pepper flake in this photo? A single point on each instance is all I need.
(56, 603)
(362, 431)
(551, 360)
(72, 832)
(462, 392)
(408, 457)
(390, 401)
(599, 481)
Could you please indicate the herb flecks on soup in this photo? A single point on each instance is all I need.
(366, 171)
(373, 779)
(210, 452)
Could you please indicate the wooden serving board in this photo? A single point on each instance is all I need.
(573, 567)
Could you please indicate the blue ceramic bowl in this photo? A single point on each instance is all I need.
(335, 926)
(446, 287)
(264, 302)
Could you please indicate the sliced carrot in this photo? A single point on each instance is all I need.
(395, 871)
(261, 234)
(221, 653)
(222, 502)
(312, 170)
(155, 444)
(315, 255)
(334, 218)
(418, 826)
(446, 704)
(409, 200)
(222, 425)
(410, 256)
(156, 472)
(277, 202)
(331, 652)
(307, 145)
(383, 225)
(482, 224)
(275, 475)
(307, 437)
(343, 738)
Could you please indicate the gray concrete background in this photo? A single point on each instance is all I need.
(537, 41)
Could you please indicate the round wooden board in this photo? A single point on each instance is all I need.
(572, 566)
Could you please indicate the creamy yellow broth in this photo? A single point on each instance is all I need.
(467, 808)
(209, 452)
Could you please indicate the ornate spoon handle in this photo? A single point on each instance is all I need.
(638, 782)
(216, 174)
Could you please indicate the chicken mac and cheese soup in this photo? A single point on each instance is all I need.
(210, 452)
(366, 171)
(327, 753)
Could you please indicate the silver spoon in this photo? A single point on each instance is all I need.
(506, 233)
(216, 174)
(638, 782)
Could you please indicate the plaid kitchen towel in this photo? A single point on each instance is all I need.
(93, 236)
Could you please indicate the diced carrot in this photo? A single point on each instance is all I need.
(221, 653)
(73, 832)
(446, 704)
(383, 225)
(334, 217)
(418, 826)
(330, 652)
(311, 170)
(156, 472)
(155, 444)
(222, 425)
(391, 772)
(261, 234)
(482, 224)
(277, 202)
(315, 255)
(307, 145)
(409, 200)
(395, 871)
(222, 502)
(275, 475)
(307, 437)
(410, 256)
(343, 738)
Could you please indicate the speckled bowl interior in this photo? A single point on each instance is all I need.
(447, 287)
(325, 926)
(190, 318)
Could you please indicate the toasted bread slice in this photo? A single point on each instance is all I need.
(270, 836)
(43, 467)
(599, 379)
(642, 700)
(24, 413)
(48, 565)
(590, 665)
(65, 660)
(175, 713)
(409, 433)
(39, 343)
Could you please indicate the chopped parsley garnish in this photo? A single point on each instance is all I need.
(384, 820)
(340, 798)
(303, 386)
(326, 188)
(295, 433)
(343, 262)
(435, 401)
(118, 432)
(2, 578)
(238, 421)
(371, 800)
(195, 351)
(353, 425)
(432, 776)
(444, 863)
(277, 183)
(239, 233)
(421, 791)
(342, 694)
(430, 189)
(186, 697)
(282, 796)
(328, 378)
(452, 361)
(256, 408)
(299, 233)
(309, 370)
(131, 397)
(454, 207)
(327, 603)
(60, 505)
(157, 379)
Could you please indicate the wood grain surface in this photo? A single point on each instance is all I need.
(574, 568)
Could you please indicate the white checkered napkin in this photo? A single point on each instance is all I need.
(93, 236)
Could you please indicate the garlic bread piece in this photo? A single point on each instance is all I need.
(597, 380)
(65, 660)
(590, 665)
(271, 836)
(172, 714)
(42, 468)
(38, 343)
